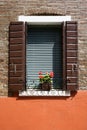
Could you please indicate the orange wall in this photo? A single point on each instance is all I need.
(44, 113)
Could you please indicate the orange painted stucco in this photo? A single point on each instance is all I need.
(60, 113)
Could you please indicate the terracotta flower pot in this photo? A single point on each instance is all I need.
(46, 86)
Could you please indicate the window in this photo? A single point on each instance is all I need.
(18, 69)
(44, 53)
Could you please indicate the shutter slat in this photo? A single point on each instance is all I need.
(16, 47)
(71, 47)
(19, 67)
(72, 56)
(16, 34)
(18, 74)
(71, 40)
(15, 53)
(71, 80)
(69, 66)
(16, 23)
(72, 87)
(17, 28)
(71, 74)
(71, 27)
(72, 34)
(16, 40)
(16, 56)
(15, 87)
(16, 60)
(16, 80)
(72, 60)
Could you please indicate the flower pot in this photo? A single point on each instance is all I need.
(46, 86)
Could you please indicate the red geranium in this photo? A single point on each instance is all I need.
(41, 76)
(40, 73)
(51, 74)
(47, 77)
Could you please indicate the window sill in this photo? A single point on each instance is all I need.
(52, 92)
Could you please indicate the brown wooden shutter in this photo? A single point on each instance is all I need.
(71, 42)
(16, 80)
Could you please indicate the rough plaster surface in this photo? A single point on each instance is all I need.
(10, 10)
(42, 113)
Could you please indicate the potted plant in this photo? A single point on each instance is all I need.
(45, 80)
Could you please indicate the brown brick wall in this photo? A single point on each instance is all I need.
(11, 9)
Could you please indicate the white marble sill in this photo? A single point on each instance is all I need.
(52, 92)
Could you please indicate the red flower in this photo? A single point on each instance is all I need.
(41, 76)
(51, 74)
(40, 73)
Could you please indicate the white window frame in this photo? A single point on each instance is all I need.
(44, 20)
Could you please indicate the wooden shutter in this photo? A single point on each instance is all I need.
(16, 56)
(71, 55)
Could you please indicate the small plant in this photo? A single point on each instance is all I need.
(46, 77)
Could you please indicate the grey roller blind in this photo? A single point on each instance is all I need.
(43, 53)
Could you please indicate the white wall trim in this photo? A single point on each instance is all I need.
(44, 20)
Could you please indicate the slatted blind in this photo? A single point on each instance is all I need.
(43, 53)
